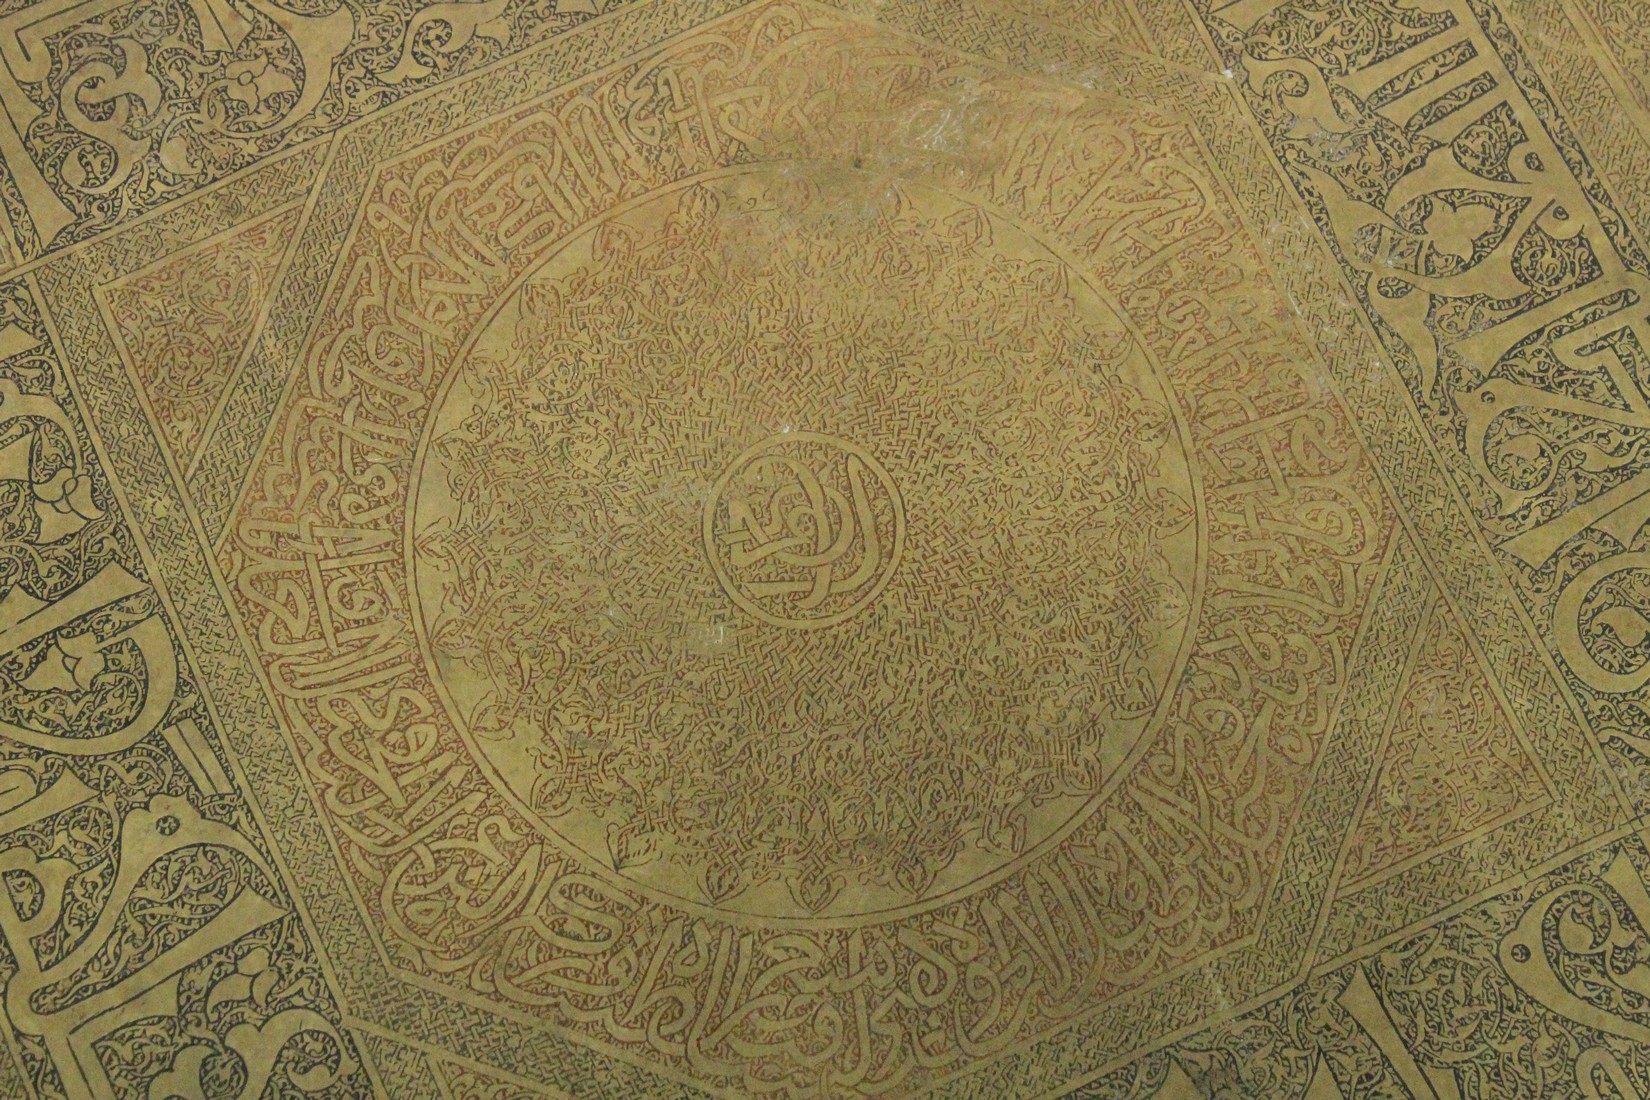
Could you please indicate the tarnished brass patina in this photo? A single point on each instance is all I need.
(805, 549)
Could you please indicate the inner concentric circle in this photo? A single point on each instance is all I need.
(804, 529)
(803, 546)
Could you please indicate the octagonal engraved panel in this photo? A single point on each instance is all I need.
(806, 561)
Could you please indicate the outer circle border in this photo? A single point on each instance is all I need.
(718, 915)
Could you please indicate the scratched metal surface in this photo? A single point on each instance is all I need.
(824, 548)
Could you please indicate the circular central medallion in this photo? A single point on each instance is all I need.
(803, 547)
(804, 529)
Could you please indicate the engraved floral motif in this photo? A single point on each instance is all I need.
(112, 109)
(186, 321)
(706, 360)
(1453, 764)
